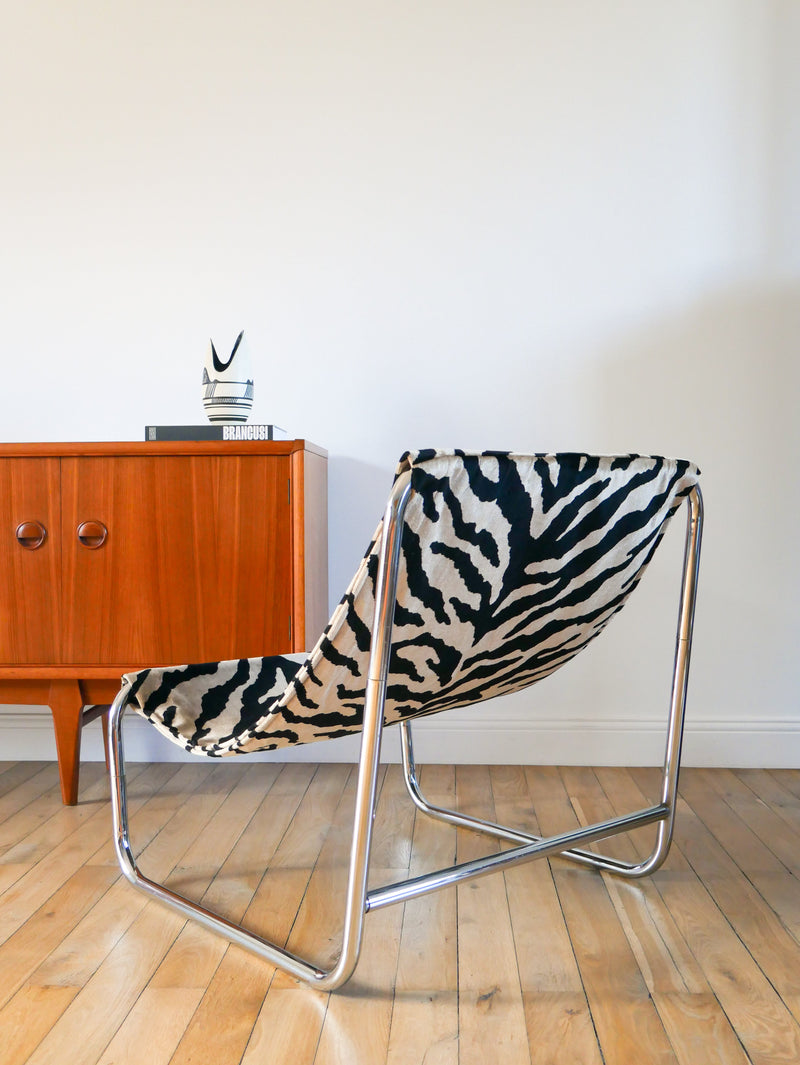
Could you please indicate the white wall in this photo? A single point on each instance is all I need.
(513, 224)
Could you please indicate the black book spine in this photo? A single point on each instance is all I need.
(209, 432)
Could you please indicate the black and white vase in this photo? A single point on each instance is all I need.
(228, 385)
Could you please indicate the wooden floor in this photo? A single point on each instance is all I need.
(549, 963)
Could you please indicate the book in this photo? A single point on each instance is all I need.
(239, 431)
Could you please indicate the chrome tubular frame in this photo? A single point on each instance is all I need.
(664, 813)
(358, 901)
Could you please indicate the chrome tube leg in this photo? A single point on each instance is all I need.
(366, 788)
(680, 682)
(186, 907)
(119, 794)
(669, 790)
(375, 700)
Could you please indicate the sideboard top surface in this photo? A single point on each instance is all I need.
(144, 448)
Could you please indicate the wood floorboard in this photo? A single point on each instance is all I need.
(547, 963)
(16, 773)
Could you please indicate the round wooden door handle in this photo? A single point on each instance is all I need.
(92, 534)
(31, 534)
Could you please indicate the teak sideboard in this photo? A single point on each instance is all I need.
(117, 556)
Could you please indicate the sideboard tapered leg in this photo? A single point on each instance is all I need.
(66, 706)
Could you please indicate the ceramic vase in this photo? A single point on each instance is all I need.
(228, 384)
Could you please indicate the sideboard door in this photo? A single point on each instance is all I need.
(175, 559)
(30, 560)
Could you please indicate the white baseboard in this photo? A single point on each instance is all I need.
(27, 734)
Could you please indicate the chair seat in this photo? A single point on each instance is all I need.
(208, 707)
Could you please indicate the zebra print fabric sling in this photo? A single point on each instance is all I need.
(510, 565)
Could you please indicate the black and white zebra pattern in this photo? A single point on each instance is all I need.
(510, 565)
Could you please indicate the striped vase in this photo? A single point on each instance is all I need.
(228, 384)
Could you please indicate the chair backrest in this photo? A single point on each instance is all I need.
(510, 565)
